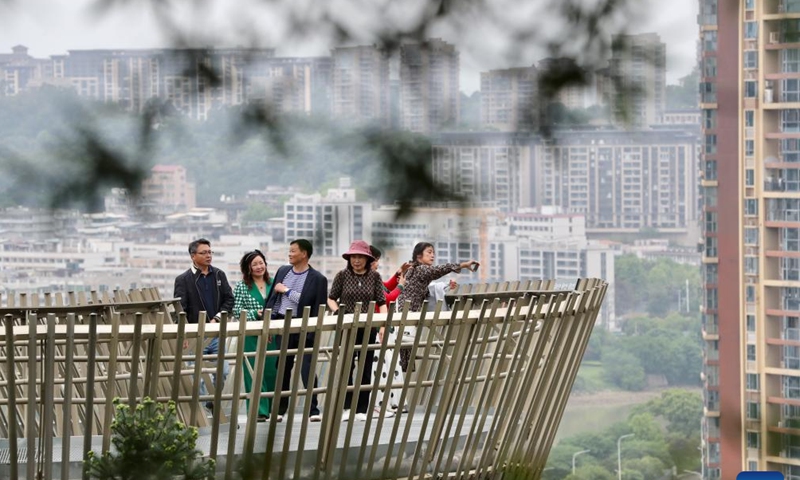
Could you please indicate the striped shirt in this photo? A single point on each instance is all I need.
(294, 282)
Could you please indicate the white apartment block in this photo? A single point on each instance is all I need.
(491, 169)
(621, 181)
(508, 98)
(330, 222)
(360, 80)
(430, 92)
(640, 63)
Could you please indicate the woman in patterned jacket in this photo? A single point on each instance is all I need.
(358, 282)
(418, 277)
(250, 295)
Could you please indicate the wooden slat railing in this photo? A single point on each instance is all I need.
(490, 381)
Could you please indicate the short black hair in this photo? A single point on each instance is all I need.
(375, 251)
(304, 245)
(200, 241)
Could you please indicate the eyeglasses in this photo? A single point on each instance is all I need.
(205, 252)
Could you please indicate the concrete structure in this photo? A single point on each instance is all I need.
(429, 86)
(331, 222)
(361, 85)
(639, 62)
(749, 91)
(509, 99)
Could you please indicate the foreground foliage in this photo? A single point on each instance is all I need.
(150, 443)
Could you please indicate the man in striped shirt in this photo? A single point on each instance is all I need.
(297, 286)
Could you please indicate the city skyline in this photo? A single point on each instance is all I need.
(57, 28)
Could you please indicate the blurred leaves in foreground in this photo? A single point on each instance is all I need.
(93, 149)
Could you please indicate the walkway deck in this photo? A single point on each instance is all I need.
(490, 383)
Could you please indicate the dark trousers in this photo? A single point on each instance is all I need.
(366, 377)
(305, 372)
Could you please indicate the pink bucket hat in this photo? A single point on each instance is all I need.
(359, 247)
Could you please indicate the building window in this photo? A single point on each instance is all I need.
(709, 119)
(711, 222)
(751, 352)
(749, 177)
(710, 67)
(749, 118)
(708, 92)
(749, 4)
(790, 60)
(750, 88)
(750, 59)
(749, 148)
(751, 265)
(752, 465)
(790, 91)
(753, 440)
(753, 382)
(790, 120)
(751, 236)
(750, 294)
(710, 41)
(710, 170)
(750, 29)
(751, 206)
(711, 251)
(753, 410)
(711, 144)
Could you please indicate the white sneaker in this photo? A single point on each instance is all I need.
(315, 418)
(361, 417)
(346, 414)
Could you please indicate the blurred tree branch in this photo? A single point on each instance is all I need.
(579, 31)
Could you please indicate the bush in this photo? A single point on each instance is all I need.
(149, 442)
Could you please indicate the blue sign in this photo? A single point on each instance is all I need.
(760, 476)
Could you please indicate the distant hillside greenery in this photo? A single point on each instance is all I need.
(223, 155)
(666, 435)
(657, 288)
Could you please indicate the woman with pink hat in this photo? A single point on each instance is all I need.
(358, 283)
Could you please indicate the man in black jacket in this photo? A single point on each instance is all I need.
(205, 288)
(298, 286)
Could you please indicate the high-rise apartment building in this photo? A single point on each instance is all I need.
(750, 86)
(18, 69)
(623, 181)
(361, 85)
(640, 64)
(508, 99)
(193, 81)
(492, 169)
(429, 86)
(292, 84)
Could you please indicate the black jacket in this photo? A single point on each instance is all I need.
(186, 289)
(314, 294)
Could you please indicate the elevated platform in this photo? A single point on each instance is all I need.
(490, 381)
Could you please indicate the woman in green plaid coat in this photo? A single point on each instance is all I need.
(250, 294)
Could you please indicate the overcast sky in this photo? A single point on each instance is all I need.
(49, 27)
